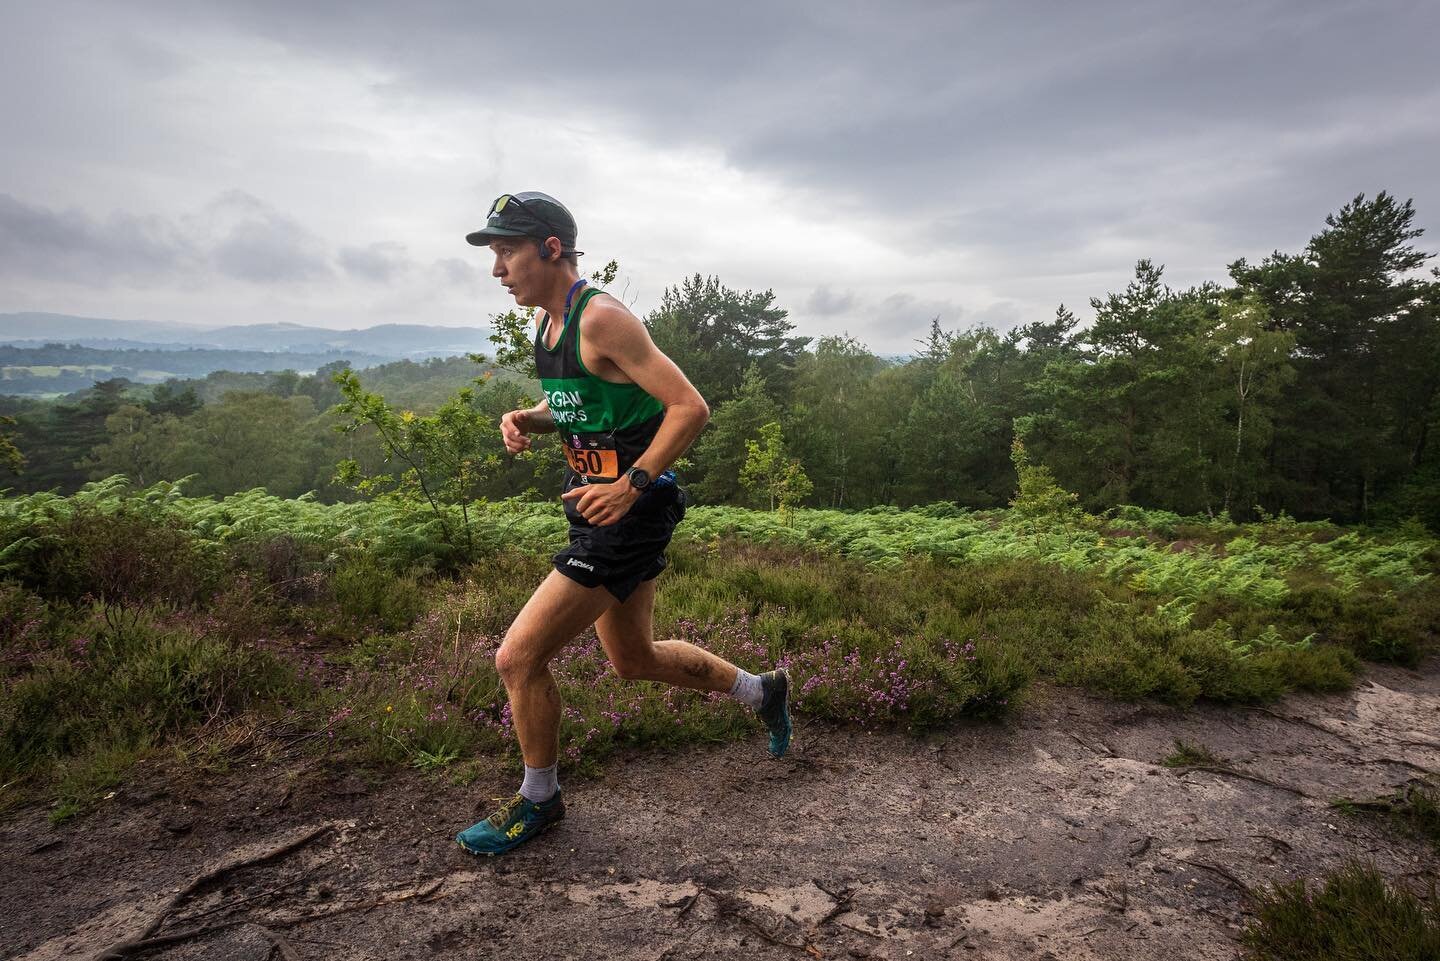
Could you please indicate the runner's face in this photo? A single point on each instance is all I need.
(520, 270)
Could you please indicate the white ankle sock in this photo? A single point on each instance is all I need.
(540, 783)
(747, 689)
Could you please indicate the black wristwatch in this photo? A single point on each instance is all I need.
(639, 478)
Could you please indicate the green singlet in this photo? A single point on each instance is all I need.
(604, 426)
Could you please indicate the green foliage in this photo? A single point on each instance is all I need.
(122, 553)
(770, 472)
(865, 608)
(1366, 335)
(10, 457)
(1355, 915)
(1254, 370)
(715, 334)
(838, 419)
(141, 445)
(1190, 755)
(82, 700)
(720, 452)
(443, 459)
(1038, 494)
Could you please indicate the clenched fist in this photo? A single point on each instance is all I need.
(515, 431)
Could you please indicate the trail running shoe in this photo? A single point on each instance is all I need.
(775, 709)
(517, 821)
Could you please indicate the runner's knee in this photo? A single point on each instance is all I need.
(514, 662)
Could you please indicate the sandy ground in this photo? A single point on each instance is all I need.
(1055, 836)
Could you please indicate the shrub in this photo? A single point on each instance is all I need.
(97, 694)
(122, 558)
(367, 593)
(1355, 915)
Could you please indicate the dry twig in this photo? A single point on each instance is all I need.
(1241, 774)
(842, 901)
(1221, 872)
(730, 907)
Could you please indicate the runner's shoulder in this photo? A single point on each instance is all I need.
(608, 322)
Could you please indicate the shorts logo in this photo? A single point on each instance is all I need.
(572, 562)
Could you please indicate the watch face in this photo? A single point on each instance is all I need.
(639, 478)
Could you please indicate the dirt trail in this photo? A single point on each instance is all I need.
(1056, 836)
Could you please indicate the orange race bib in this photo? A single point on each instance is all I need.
(593, 457)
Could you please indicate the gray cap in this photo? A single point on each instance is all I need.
(529, 214)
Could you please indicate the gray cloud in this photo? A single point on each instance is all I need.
(150, 61)
(379, 262)
(72, 246)
(256, 243)
(1047, 136)
(894, 322)
(825, 302)
(459, 273)
(235, 236)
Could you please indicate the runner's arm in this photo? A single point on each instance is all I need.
(517, 425)
(538, 419)
(622, 339)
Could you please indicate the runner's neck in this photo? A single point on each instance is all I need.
(556, 304)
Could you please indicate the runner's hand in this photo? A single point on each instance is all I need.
(513, 432)
(603, 504)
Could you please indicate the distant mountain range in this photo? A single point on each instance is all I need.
(388, 341)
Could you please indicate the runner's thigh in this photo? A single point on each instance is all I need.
(558, 611)
(630, 626)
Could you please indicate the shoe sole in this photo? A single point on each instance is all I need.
(789, 735)
(514, 844)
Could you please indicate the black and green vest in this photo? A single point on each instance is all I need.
(604, 427)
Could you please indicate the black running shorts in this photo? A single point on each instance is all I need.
(620, 556)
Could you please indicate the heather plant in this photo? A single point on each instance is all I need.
(1354, 913)
(83, 700)
(367, 594)
(1186, 754)
(916, 648)
(123, 557)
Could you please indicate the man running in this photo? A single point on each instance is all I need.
(624, 412)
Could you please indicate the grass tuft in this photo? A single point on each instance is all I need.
(1414, 809)
(1355, 915)
(1191, 755)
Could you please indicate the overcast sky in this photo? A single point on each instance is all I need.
(874, 164)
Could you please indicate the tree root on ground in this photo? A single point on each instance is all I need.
(1241, 774)
(145, 939)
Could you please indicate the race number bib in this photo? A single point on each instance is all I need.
(593, 456)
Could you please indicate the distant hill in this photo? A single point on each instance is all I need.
(56, 369)
(387, 341)
(50, 354)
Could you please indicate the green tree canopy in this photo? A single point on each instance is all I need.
(715, 334)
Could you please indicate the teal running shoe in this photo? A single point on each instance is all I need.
(775, 709)
(517, 821)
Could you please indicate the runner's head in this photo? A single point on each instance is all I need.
(533, 238)
(531, 214)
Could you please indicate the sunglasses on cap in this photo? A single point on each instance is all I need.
(505, 200)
